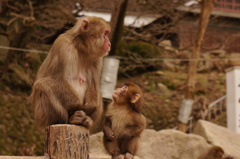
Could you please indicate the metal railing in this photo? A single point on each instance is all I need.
(216, 107)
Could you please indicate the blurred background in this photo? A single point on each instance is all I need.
(155, 41)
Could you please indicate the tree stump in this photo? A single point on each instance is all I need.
(65, 141)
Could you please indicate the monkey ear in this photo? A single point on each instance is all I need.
(85, 24)
(135, 98)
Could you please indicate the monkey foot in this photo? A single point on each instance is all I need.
(118, 157)
(77, 118)
(80, 118)
(88, 122)
(128, 156)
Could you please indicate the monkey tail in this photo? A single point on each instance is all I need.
(48, 110)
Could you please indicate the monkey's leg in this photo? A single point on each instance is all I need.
(121, 156)
(112, 147)
(71, 101)
(130, 146)
(66, 96)
(48, 109)
(88, 122)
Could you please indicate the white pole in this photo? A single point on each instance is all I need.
(233, 98)
(109, 76)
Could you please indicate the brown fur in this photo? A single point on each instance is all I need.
(68, 80)
(200, 108)
(214, 152)
(123, 123)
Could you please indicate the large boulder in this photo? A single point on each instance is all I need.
(164, 144)
(219, 136)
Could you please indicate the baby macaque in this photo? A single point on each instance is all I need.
(123, 123)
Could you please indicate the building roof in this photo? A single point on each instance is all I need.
(221, 8)
(104, 9)
(129, 20)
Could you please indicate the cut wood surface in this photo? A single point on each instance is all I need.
(65, 141)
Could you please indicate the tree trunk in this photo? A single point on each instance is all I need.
(206, 8)
(116, 23)
(65, 141)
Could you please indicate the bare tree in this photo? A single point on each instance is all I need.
(25, 20)
(206, 8)
(20, 19)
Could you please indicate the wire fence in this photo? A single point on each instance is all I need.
(23, 50)
(139, 59)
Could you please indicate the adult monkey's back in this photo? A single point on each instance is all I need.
(67, 86)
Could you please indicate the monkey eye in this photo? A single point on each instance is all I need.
(125, 88)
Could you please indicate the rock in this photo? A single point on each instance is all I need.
(164, 144)
(170, 144)
(166, 43)
(96, 147)
(163, 89)
(219, 136)
(169, 65)
(159, 73)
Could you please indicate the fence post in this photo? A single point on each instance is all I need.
(64, 141)
(233, 98)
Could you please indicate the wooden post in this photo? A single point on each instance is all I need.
(117, 23)
(64, 141)
(24, 157)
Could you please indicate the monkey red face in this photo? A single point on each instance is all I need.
(91, 34)
(106, 44)
(120, 93)
(129, 95)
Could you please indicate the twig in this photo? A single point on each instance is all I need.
(31, 8)
(11, 21)
(12, 7)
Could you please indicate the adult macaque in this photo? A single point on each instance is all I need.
(67, 84)
(123, 122)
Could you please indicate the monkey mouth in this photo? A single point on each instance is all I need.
(115, 94)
